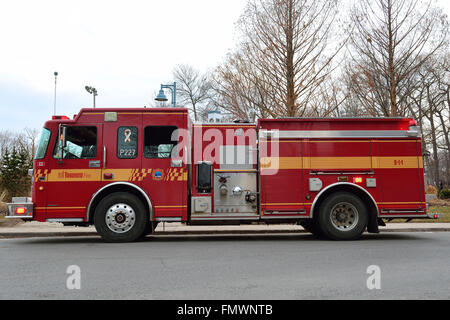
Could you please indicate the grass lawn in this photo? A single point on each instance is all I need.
(444, 211)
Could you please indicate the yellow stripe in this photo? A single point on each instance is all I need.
(74, 175)
(337, 162)
(397, 162)
(273, 163)
(281, 163)
(121, 174)
(78, 175)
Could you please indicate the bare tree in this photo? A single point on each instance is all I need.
(428, 103)
(390, 40)
(239, 89)
(283, 57)
(28, 140)
(193, 88)
(25, 140)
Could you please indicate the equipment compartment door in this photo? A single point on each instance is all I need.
(281, 165)
(398, 168)
(164, 161)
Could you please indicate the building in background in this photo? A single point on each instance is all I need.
(217, 116)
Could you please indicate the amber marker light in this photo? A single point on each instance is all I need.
(358, 179)
(20, 210)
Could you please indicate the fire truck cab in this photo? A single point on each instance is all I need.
(125, 170)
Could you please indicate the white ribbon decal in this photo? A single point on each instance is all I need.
(127, 133)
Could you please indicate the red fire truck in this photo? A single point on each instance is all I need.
(125, 170)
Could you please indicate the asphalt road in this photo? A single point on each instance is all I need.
(412, 266)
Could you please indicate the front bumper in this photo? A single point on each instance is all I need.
(434, 215)
(20, 208)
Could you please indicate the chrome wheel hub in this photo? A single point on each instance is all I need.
(120, 218)
(344, 216)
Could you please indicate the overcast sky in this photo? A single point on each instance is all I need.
(125, 49)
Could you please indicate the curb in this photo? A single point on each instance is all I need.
(417, 230)
(13, 235)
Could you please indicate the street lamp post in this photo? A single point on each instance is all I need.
(162, 97)
(92, 91)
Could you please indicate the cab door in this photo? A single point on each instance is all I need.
(122, 155)
(75, 173)
(163, 161)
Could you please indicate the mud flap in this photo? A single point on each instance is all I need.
(372, 227)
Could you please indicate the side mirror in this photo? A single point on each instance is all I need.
(62, 141)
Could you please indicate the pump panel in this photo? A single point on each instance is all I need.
(235, 192)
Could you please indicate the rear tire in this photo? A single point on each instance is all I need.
(120, 217)
(342, 216)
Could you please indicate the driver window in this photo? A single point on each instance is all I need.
(81, 143)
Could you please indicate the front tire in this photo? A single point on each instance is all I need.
(311, 226)
(120, 217)
(342, 216)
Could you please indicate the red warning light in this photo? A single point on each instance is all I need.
(358, 179)
(60, 118)
(412, 123)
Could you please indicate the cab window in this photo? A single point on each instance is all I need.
(81, 143)
(159, 141)
(43, 144)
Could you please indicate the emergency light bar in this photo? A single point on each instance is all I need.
(60, 118)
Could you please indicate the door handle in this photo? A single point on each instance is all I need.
(104, 157)
(94, 164)
(176, 163)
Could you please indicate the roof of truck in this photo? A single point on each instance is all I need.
(398, 123)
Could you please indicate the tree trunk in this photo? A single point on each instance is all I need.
(290, 81)
(433, 140)
(392, 80)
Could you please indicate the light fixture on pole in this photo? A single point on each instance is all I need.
(162, 97)
(54, 98)
(92, 91)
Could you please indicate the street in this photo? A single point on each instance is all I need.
(411, 265)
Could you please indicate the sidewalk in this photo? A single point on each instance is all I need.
(37, 229)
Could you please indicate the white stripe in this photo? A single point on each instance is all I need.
(277, 134)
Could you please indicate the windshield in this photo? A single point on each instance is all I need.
(43, 144)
